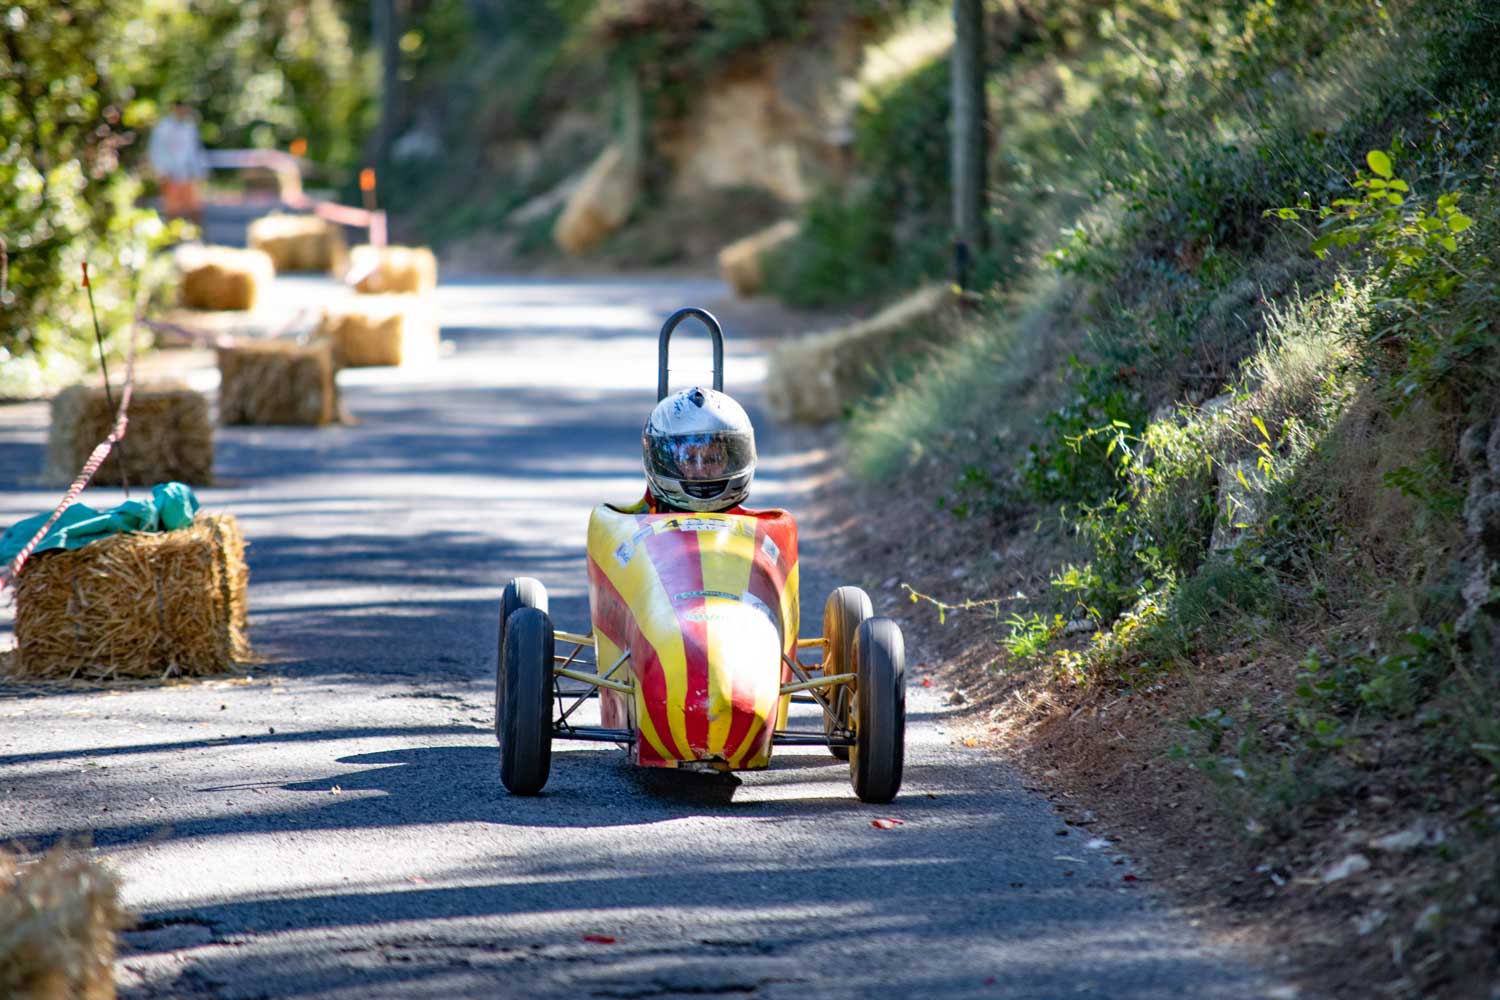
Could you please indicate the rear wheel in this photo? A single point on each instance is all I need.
(520, 592)
(842, 613)
(526, 712)
(879, 711)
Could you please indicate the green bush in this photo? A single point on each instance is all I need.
(68, 202)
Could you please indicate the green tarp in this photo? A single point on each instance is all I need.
(172, 505)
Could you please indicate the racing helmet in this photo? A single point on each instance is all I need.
(699, 451)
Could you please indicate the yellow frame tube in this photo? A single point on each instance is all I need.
(594, 679)
(810, 643)
(817, 682)
(575, 637)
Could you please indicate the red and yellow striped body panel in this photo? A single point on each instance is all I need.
(706, 604)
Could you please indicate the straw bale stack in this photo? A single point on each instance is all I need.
(277, 382)
(601, 201)
(812, 379)
(742, 263)
(368, 330)
(157, 605)
(300, 243)
(379, 270)
(222, 278)
(170, 435)
(59, 917)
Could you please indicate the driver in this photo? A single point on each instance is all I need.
(699, 452)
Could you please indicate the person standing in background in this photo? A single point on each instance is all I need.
(176, 154)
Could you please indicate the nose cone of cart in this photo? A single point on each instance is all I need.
(713, 696)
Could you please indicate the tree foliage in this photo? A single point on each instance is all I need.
(80, 84)
(66, 199)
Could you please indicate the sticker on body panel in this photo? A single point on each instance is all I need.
(701, 524)
(745, 598)
(626, 550)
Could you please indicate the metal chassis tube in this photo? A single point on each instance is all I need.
(563, 667)
(840, 737)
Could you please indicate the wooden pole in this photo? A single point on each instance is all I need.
(388, 43)
(970, 137)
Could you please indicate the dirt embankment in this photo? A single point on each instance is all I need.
(1342, 904)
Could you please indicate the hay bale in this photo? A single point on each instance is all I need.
(370, 330)
(812, 379)
(600, 204)
(222, 278)
(59, 917)
(277, 382)
(160, 604)
(170, 435)
(742, 263)
(379, 270)
(300, 243)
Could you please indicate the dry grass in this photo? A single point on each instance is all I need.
(372, 330)
(300, 243)
(378, 270)
(277, 382)
(170, 435)
(813, 379)
(222, 278)
(59, 915)
(164, 604)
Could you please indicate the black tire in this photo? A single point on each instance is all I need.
(845, 608)
(880, 711)
(520, 592)
(526, 716)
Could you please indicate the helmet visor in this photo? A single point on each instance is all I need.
(701, 458)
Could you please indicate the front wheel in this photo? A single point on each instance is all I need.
(846, 608)
(526, 713)
(880, 711)
(520, 592)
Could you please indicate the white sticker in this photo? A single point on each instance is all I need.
(624, 552)
(769, 548)
(704, 524)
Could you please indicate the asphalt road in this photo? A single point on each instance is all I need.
(332, 824)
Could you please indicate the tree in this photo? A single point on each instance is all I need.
(970, 135)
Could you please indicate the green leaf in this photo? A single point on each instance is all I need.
(1429, 224)
(1286, 213)
(1260, 425)
(1458, 222)
(1379, 163)
(1322, 243)
(1449, 244)
(1398, 185)
(1395, 199)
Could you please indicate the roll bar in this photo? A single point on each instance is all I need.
(716, 331)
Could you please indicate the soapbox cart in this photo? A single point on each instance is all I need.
(693, 648)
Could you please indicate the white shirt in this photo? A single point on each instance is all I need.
(176, 152)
